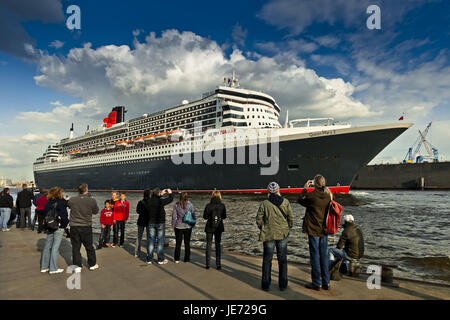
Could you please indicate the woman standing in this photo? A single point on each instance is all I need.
(182, 229)
(6, 205)
(51, 250)
(214, 213)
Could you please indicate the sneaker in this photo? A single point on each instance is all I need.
(207, 267)
(93, 267)
(177, 261)
(149, 262)
(77, 270)
(113, 245)
(326, 287)
(165, 261)
(312, 286)
(8, 229)
(136, 256)
(57, 271)
(219, 268)
(44, 270)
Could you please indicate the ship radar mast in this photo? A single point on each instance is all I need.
(232, 82)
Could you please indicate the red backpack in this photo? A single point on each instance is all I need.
(333, 218)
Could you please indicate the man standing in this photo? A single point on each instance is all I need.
(157, 224)
(274, 220)
(82, 207)
(23, 203)
(316, 203)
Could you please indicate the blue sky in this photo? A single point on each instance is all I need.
(316, 58)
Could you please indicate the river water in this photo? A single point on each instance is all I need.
(409, 230)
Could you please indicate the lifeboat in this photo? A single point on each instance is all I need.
(130, 144)
(176, 135)
(139, 141)
(85, 151)
(122, 144)
(74, 152)
(92, 150)
(101, 148)
(149, 138)
(110, 146)
(162, 136)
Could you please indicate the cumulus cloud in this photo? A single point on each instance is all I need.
(13, 12)
(164, 70)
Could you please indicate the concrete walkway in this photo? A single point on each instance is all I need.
(122, 276)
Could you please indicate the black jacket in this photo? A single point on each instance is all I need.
(61, 208)
(352, 241)
(157, 214)
(215, 204)
(6, 201)
(24, 199)
(142, 211)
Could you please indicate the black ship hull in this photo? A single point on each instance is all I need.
(338, 157)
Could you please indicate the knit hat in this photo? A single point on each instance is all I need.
(273, 187)
(349, 218)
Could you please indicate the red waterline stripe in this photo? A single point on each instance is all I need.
(340, 189)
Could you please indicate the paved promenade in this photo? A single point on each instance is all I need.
(122, 276)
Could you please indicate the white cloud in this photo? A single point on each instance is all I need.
(162, 71)
(327, 41)
(239, 34)
(62, 113)
(297, 15)
(32, 138)
(56, 44)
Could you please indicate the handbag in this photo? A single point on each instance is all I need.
(52, 219)
(189, 218)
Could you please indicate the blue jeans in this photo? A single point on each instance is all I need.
(156, 238)
(338, 254)
(318, 255)
(51, 250)
(139, 239)
(5, 213)
(269, 247)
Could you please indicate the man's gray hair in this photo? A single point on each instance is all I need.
(319, 181)
(82, 188)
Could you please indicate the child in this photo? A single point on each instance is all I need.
(121, 213)
(106, 220)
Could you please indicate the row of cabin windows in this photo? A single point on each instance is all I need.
(174, 113)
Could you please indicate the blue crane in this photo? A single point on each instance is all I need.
(432, 151)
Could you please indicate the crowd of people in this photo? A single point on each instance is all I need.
(274, 219)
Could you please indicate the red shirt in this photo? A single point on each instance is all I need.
(121, 210)
(41, 202)
(106, 216)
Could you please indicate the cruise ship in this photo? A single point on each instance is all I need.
(145, 152)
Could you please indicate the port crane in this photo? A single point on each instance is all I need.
(432, 151)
